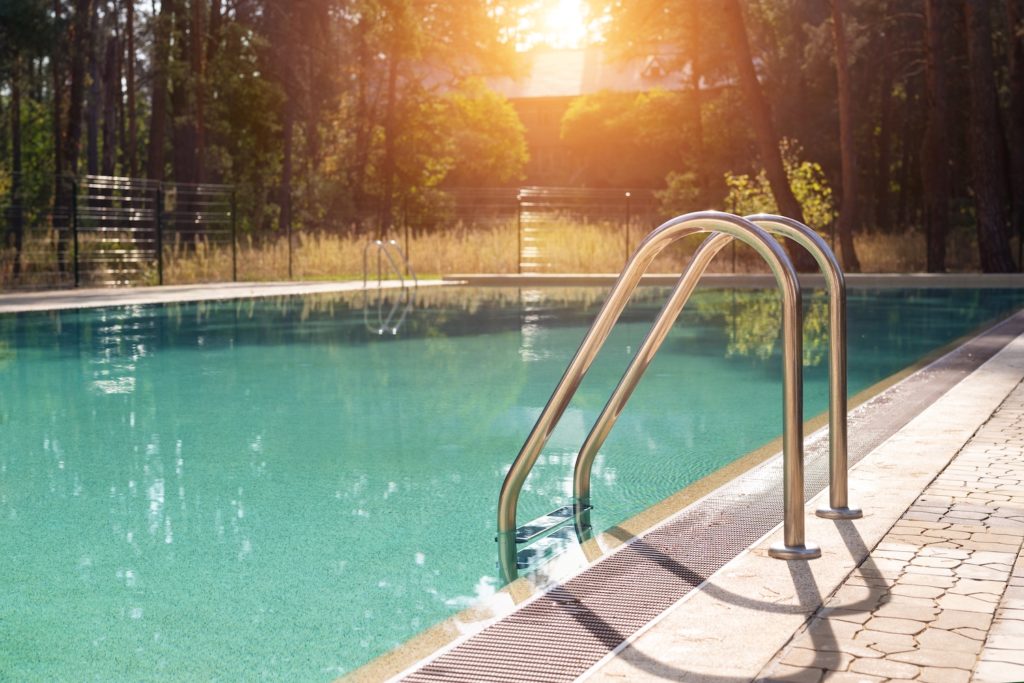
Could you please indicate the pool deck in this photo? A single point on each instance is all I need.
(928, 586)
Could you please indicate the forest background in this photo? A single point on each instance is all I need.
(335, 120)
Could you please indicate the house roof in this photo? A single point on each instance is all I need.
(574, 72)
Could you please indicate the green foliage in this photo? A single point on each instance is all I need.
(747, 195)
(489, 139)
(681, 194)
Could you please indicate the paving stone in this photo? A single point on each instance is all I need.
(951, 619)
(938, 639)
(931, 674)
(885, 668)
(885, 641)
(926, 580)
(832, 629)
(942, 658)
(1008, 627)
(965, 603)
(999, 641)
(891, 625)
(847, 646)
(986, 573)
(899, 610)
(929, 571)
(915, 591)
(942, 562)
(909, 600)
(972, 586)
(972, 633)
(1016, 614)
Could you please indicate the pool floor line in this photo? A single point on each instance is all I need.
(589, 618)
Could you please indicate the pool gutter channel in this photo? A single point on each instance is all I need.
(561, 634)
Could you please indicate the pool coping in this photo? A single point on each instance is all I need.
(96, 297)
(752, 280)
(447, 636)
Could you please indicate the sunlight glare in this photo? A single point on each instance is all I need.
(565, 23)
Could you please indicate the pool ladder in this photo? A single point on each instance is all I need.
(388, 253)
(756, 231)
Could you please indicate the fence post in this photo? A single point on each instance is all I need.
(289, 248)
(234, 236)
(628, 220)
(519, 233)
(74, 227)
(160, 233)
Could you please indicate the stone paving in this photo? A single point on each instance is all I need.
(941, 598)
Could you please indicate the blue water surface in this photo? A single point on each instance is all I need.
(269, 489)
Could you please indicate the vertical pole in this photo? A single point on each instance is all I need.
(74, 226)
(234, 235)
(406, 246)
(289, 250)
(628, 220)
(160, 234)
(519, 234)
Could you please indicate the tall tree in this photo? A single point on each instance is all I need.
(850, 203)
(987, 165)
(158, 91)
(1015, 52)
(935, 178)
(132, 143)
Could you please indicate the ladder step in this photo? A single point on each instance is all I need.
(544, 549)
(542, 525)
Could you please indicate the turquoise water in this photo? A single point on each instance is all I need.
(265, 489)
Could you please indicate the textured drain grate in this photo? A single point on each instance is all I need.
(569, 629)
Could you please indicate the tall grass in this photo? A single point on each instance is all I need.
(565, 246)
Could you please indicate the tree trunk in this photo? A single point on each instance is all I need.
(1015, 51)
(987, 168)
(92, 113)
(761, 119)
(197, 45)
(848, 151)
(288, 127)
(133, 124)
(56, 70)
(158, 107)
(111, 90)
(935, 177)
(17, 227)
(883, 157)
(696, 73)
(183, 154)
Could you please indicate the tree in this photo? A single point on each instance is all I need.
(987, 166)
(761, 120)
(850, 202)
(934, 153)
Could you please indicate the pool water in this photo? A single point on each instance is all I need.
(268, 489)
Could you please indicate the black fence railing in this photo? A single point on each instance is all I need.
(108, 231)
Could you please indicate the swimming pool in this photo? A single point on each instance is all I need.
(223, 491)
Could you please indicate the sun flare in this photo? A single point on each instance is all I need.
(564, 23)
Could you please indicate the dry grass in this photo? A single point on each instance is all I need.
(567, 247)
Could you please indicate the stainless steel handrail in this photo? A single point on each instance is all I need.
(793, 546)
(835, 283)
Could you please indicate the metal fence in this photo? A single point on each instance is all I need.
(107, 230)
